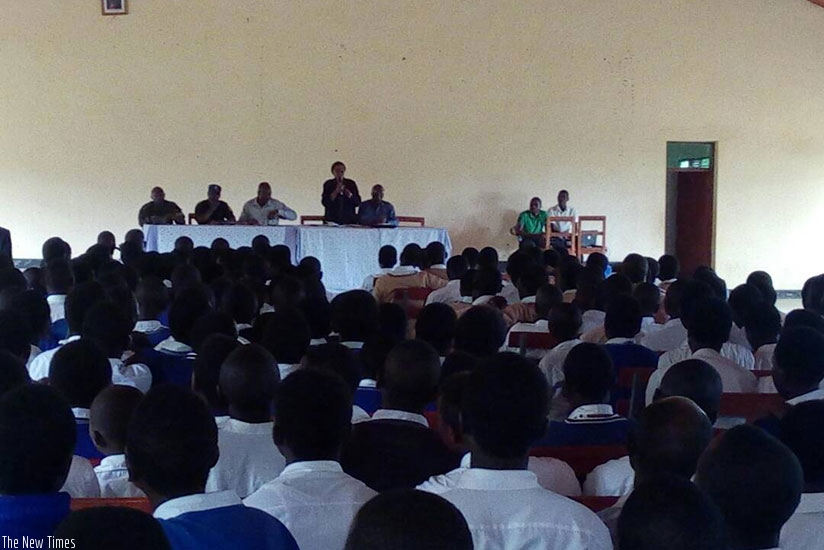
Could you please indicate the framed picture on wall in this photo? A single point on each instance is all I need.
(114, 7)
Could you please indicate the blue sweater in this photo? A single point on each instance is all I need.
(34, 516)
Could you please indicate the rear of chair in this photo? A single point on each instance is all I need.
(411, 299)
(311, 220)
(412, 220)
(599, 231)
(571, 236)
(750, 406)
(191, 218)
(582, 458)
(531, 340)
(141, 504)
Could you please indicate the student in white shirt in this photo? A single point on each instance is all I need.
(547, 297)
(649, 298)
(248, 457)
(565, 325)
(668, 269)
(436, 325)
(763, 327)
(152, 300)
(387, 259)
(670, 513)
(312, 496)
(756, 481)
(59, 280)
(286, 335)
(587, 290)
(799, 365)
(109, 418)
(562, 210)
(742, 300)
(409, 519)
(340, 360)
(671, 334)
(456, 268)
(502, 502)
(488, 259)
(802, 430)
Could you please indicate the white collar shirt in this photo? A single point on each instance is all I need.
(447, 294)
(739, 336)
(556, 212)
(668, 337)
(369, 282)
(734, 352)
(200, 502)
(315, 500)
(353, 345)
(814, 395)
(113, 477)
(149, 326)
(508, 510)
(403, 271)
(541, 325)
(805, 528)
(170, 345)
(592, 319)
(510, 293)
(57, 306)
(248, 458)
(359, 415)
(39, 366)
(393, 414)
(552, 365)
(482, 300)
(614, 478)
(254, 211)
(135, 375)
(765, 357)
(285, 369)
(81, 481)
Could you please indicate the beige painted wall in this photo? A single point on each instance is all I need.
(463, 110)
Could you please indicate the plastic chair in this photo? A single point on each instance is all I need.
(531, 340)
(750, 406)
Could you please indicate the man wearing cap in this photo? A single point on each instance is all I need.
(213, 210)
(159, 211)
(264, 210)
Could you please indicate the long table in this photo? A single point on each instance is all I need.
(347, 254)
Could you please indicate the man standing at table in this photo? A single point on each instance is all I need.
(561, 210)
(340, 197)
(160, 211)
(264, 210)
(213, 210)
(377, 211)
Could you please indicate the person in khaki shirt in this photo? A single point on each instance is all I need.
(407, 275)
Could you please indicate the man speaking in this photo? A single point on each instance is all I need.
(340, 197)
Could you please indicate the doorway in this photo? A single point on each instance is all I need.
(690, 217)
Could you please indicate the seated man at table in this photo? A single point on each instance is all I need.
(561, 210)
(531, 224)
(376, 211)
(264, 210)
(407, 275)
(213, 210)
(160, 211)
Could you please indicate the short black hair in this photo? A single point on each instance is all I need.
(696, 380)
(79, 301)
(55, 248)
(763, 324)
(354, 315)
(412, 254)
(13, 372)
(648, 296)
(188, 306)
(565, 321)
(450, 399)
(410, 376)
(58, 276)
(286, 335)
(392, 320)
(802, 430)
(532, 278)
(505, 405)
(436, 325)
(15, 334)
(387, 256)
(111, 411)
(812, 294)
(671, 513)
(106, 325)
(709, 276)
(211, 322)
(407, 519)
(598, 262)
(799, 354)
(249, 377)
(171, 442)
(470, 254)
(488, 257)
(241, 302)
(105, 527)
(152, 296)
(37, 438)
(79, 371)
(456, 362)
(547, 297)
(653, 269)
(614, 285)
(373, 354)
(693, 293)
(673, 298)
(623, 317)
(12, 278)
(480, 331)
(764, 283)
(741, 300)
(337, 163)
(635, 268)
(435, 253)
(711, 323)
(260, 243)
(754, 479)
(456, 267)
(206, 369)
(668, 267)
(551, 257)
(588, 372)
(804, 318)
(314, 414)
(335, 358)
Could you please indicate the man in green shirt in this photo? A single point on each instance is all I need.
(531, 224)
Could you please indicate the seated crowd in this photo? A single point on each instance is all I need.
(448, 403)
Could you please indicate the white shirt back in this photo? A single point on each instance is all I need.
(248, 458)
(614, 478)
(805, 529)
(315, 500)
(113, 477)
(81, 481)
(671, 335)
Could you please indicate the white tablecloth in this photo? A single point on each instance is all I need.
(347, 254)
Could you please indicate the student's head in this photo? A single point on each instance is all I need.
(597, 262)
(241, 302)
(313, 412)
(763, 325)
(551, 258)
(799, 362)
(392, 321)
(615, 285)
(105, 527)
(694, 292)
(804, 318)
(58, 277)
(286, 335)
(206, 369)
(354, 315)
(742, 299)
(211, 322)
(288, 292)
(756, 481)
(373, 354)
(696, 380)
(407, 519)
(15, 334)
(436, 325)
(668, 267)
(565, 321)
(55, 248)
(171, 444)
(532, 278)
(812, 294)
(79, 371)
(411, 255)
(668, 438)
(248, 380)
(107, 240)
(435, 253)
(450, 401)
(187, 307)
(456, 268)
(480, 331)
(486, 282)
(335, 358)
(586, 288)
(588, 375)
(673, 298)
(623, 317)
(547, 297)
(653, 270)
(410, 377)
(260, 244)
(635, 268)
(13, 372)
(37, 438)
(671, 513)
(109, 417)
(33, 307)
(79, 301)
(471, 254)
(648, 296)
(763, 282)
(106, 325)
(505, 407)
(387, 256)
(802, 430)
(488, 258)
(152, 297)
(710, 325)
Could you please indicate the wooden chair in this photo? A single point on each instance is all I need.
(191, 218)
(412, 220)
(600, 234)
(311, 220)
(582, 458)
(531, 340)
(570, 236)
(141, 504)
(632, 381)
(750, 406)
(411, 299)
